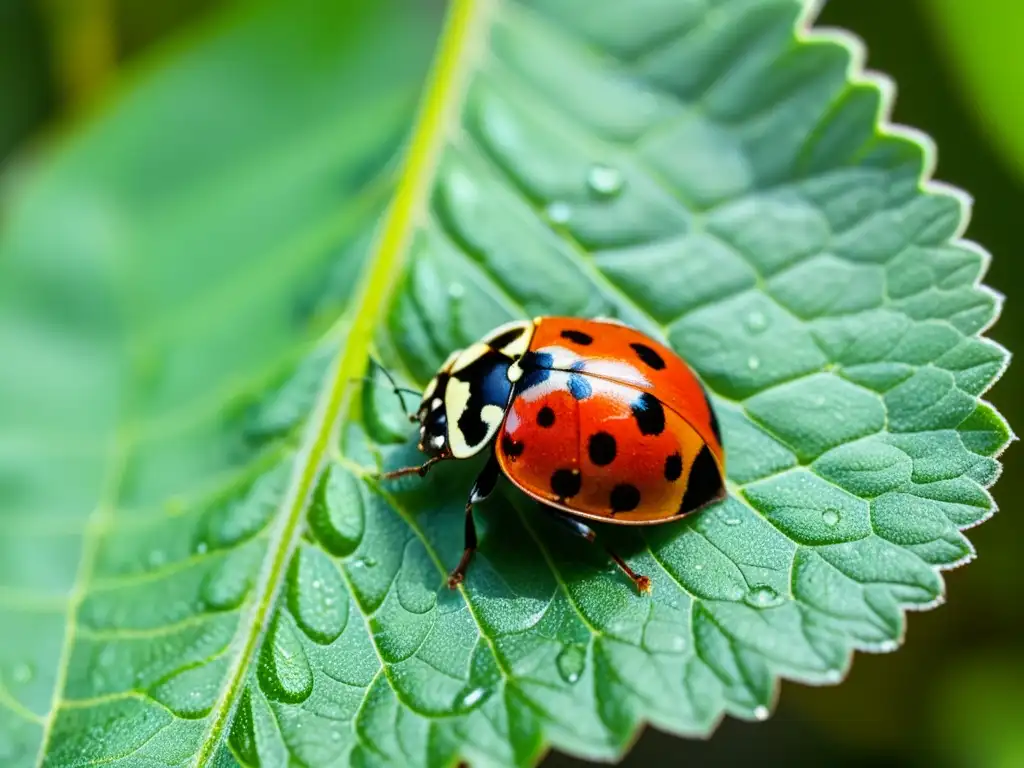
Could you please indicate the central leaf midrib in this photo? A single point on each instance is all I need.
(463, 37)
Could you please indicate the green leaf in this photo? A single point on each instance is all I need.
(196, 557)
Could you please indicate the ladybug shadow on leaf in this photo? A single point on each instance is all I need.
(525, 548)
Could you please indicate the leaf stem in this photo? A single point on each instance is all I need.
(464, 34)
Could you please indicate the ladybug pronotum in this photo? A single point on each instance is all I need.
(592, 418)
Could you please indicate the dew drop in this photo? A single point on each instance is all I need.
(456, 291)
(604, 181)
(363, 562)
(830, 517)
(756, 322)
(201, 548)
(570, 662)
(888, 646)
(833, 676)
(472, 697)
(558, 212)
(283, 671)
(22, 673)
(698, 567)
(732, 521)
(763, 597)
(156, 558)
(761, 713)
(753, 362)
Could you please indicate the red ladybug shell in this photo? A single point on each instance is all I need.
(608, 424)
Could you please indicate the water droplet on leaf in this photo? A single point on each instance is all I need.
(763, 597)
(456, 291)
(604, 181)
(558, 212)
(753, 362)
(761, 713)
(156, 558)
(472, 697)
(570, 662)
(22, 673)
(830, 517)
(756, 322)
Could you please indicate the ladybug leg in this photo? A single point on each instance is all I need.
(584, 531)
(481, 489)
(420, 469)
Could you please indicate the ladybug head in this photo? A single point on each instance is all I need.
(433, 418)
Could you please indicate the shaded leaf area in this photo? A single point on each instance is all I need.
(695, 170)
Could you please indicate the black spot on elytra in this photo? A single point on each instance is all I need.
(625, 498)
(579, 387)
(648, 356)
(601, 448)
(704, 484)
(673, 467)
(565, 483)
(649, 414)
(511, 448)
(506, 338)
(545, 417)
(714, 418)
(577, 337)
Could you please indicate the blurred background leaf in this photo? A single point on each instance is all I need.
(981, 42)
(949, 698)
(27, 97)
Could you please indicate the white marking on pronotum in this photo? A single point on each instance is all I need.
(456, 402)
(429, 391)
(469, 355)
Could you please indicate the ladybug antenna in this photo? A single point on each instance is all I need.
(394, 385)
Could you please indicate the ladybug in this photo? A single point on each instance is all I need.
(592, 418)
